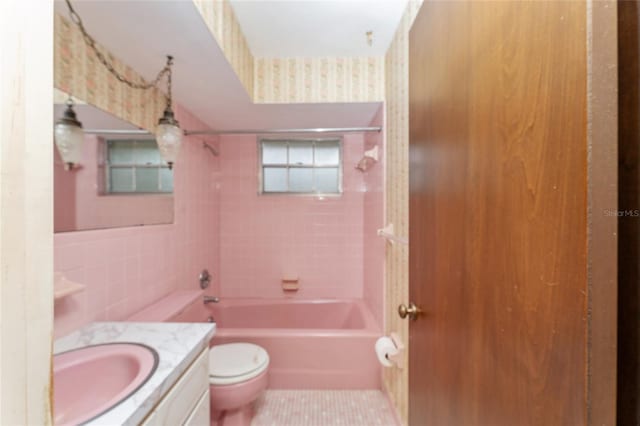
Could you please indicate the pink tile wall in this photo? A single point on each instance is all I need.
(64, 185)
(374, 246)
(125, 269)
(266, 237)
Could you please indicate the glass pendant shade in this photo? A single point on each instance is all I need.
(69, 137)
(169, 137)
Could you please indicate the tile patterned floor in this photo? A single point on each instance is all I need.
(323, 408)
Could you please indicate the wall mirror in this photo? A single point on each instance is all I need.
(120, 181)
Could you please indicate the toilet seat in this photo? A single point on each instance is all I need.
(234, 363)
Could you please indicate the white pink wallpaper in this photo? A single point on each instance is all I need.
(300, 80)
(78, 72)
(219, 17)
(374, 219)
(396, 381)
(292, 80)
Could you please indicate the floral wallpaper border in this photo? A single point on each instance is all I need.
(219, 17)
(329, 79)
(292, 80)
(77, 72)
(396, 381)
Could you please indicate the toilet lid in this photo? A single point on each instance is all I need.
(236, 362)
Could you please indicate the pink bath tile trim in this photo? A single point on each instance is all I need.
(116, 292)
(116, 271)
(68, 257)
(69, 311)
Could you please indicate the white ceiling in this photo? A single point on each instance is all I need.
(285, 28)
(141, 33)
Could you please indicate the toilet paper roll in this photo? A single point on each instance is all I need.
(385, 347)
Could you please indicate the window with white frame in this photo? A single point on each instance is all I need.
(135, 166)
(300, 166)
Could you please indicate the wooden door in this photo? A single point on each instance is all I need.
(499, 252)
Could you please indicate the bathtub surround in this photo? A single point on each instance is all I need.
(127, 269)
(26, 205)
(265, 238)
(311, 344)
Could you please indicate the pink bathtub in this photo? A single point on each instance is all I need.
(312, 344)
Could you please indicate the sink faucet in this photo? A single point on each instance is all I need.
(210, 299)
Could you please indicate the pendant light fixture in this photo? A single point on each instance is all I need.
(69, 137)
(168, 132)
(68, 130)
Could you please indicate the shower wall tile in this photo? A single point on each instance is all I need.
(125, 269)
(264, 238)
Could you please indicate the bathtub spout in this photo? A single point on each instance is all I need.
(210, 299)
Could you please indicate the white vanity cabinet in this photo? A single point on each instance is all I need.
(187, 402)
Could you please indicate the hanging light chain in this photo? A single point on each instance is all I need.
(109, 66)
(168, 96)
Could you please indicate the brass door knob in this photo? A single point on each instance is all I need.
(410, 311)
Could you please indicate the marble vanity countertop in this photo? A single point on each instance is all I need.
(177, 344)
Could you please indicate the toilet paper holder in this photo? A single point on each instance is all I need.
(398, 357)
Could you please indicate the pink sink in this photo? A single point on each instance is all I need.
(91, 380)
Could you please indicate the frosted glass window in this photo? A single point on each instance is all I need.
(121, 179)
(147, 179)
(135, 166)
(120, 152)
(274, 153)
(327, 179)
(166, 179)
(328, 154)
(301, 154)
(301, 179)
(275, 179)
(301, 166)
(147, 152)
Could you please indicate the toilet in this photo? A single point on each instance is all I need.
(237, 377)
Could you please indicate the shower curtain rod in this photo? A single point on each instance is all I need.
(315, 130)
(286, 131)
(115, 132)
